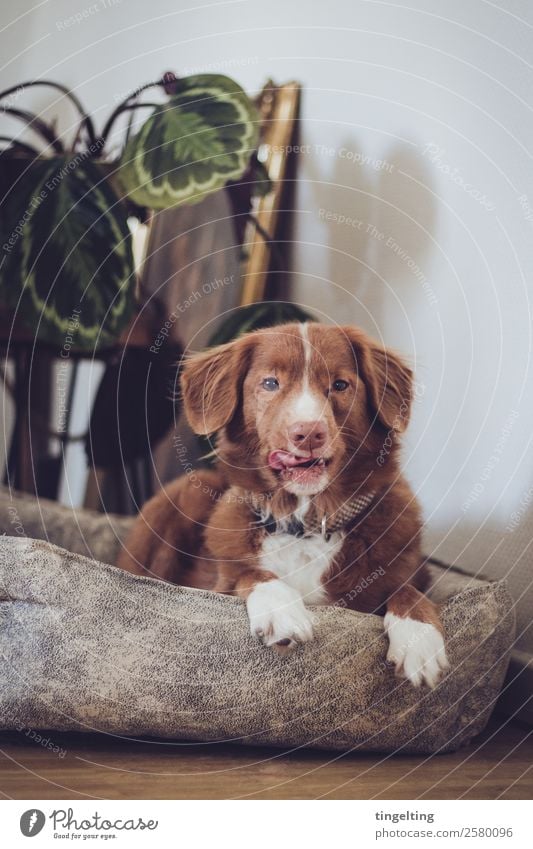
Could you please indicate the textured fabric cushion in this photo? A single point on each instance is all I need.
(86, 646)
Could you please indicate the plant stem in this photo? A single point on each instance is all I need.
(86, 121)
(126, 105)
(38, 126)
(22, 145)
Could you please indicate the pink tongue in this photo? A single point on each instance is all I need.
(284, 460)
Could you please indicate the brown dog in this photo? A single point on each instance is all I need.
(307, 504)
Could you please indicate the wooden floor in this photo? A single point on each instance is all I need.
(499, 764)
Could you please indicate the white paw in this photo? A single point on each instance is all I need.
(278, 615)
(417, 650)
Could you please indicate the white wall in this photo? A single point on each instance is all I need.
(436, 100)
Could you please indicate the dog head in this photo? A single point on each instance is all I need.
(299, 406)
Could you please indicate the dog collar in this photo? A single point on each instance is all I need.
(328, 525)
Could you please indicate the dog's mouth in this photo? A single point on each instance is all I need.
(304, 470)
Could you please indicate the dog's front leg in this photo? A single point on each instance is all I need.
(416, 637)
(276, 611)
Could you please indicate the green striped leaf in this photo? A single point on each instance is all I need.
(68, 254)
(192, 145)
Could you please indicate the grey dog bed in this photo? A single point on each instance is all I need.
(88, 647)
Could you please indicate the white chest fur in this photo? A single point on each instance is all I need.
(301, 562)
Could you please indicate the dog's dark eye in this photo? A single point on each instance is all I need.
(270, 384)
(340, 385)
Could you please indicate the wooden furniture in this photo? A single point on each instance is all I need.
(279, 106)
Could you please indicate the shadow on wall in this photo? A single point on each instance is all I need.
(380, 215)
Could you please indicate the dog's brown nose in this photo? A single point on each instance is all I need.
(308, 435)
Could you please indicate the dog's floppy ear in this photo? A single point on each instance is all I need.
(388, 380)
(211, 385)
